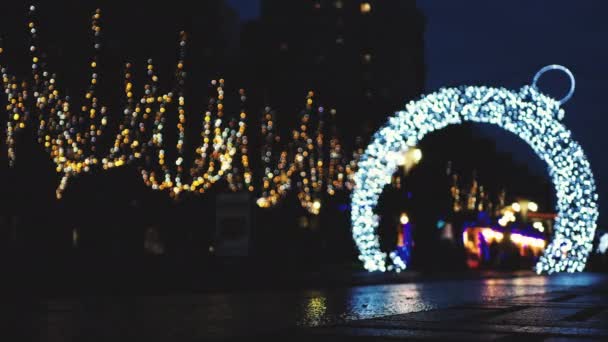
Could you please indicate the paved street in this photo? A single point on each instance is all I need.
(543, 308)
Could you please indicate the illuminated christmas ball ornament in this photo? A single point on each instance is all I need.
(528, 113)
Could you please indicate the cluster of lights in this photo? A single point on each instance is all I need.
(491, 235)
(306, 162)
(516, 207)
(474, 199)
(312, 162)
(538, 226)
(523, 241)
(472, 245)
(69, 135)
(529, 114)
(409, 159)
(519, 207)
(508, 217)
(224, 143)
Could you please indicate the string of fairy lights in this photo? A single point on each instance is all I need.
(312, 163)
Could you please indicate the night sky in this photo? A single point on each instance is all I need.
(504, 43)
(248, 9)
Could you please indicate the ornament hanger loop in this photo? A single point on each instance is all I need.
(560, 68)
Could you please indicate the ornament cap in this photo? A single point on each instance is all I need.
(560, 68)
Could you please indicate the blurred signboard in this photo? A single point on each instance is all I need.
(233, 225)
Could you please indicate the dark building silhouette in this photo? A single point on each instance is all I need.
(363, 58)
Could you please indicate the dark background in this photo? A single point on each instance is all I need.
(430, 44)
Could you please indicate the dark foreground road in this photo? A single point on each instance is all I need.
(525, 308)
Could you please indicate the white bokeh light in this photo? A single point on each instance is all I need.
(603, 246)
(529, 114)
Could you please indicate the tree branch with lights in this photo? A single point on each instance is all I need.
(312, 162)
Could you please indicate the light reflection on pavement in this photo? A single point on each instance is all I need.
(201, 316)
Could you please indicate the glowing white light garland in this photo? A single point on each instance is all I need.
(532, 116)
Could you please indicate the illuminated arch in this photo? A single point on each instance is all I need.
(533, 117)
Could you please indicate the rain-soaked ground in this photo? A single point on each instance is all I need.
(200, 317)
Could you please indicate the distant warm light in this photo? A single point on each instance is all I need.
(262, 203)
(516, 206)
(472, 243)
(508, 217)
(491, 235)
(538, 226)
(522, 240)
(404, 219)
(533, 207)
(366, 7)
(417, 155)
(316, 205)
(409, 159)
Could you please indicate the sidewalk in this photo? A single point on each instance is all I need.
(574, 315)
(493, 307)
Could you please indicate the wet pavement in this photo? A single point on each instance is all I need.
(495, 307)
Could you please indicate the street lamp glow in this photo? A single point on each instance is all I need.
(404, 219)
